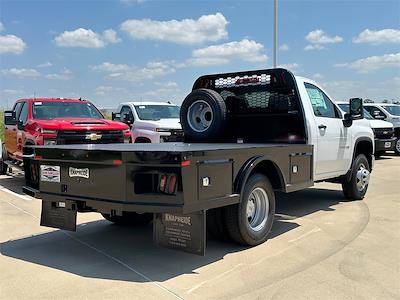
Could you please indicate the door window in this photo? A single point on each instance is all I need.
(376, 112)
(126, 114)
(321, 104)
(23, 115)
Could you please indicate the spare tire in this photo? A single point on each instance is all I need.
(203, 116)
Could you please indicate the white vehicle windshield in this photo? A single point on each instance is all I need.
(345, 107)
(157, 112)
(393, 109)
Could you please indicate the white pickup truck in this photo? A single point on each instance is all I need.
(390, 113)
(151, 122)
(247, 135)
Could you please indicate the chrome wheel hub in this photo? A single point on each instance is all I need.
(362, 178)
(398, 145)
(200, 116)
(257, 209)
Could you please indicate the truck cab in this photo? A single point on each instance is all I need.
(151, 122)
(334, 141)
(390, 113)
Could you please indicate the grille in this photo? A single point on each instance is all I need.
(383, 133)
(90, 137)
(176, 136)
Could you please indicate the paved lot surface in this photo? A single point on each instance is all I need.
(321, 247)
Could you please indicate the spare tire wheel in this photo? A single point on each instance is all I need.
(203, 116)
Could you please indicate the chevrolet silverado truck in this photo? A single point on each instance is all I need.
(390, 113)
(247, 136)
(55, 121)
(151, 122)
(385, 139)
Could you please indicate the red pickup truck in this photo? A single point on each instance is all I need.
(55, 121)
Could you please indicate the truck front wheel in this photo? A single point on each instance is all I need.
(129, 218)
(250, 221)
(397, 148)
(356, 188)
(3, 158)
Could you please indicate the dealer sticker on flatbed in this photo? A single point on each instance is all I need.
(50, 173)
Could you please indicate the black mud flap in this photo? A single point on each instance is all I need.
(181, 232)
(60, 215)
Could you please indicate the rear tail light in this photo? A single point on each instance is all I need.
(163, 183)
(168, 184)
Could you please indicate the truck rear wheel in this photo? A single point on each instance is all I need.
(203, 116)
(356, 188)
(397, 147)
(129, 218)
(250, 221)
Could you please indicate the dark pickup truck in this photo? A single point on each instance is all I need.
(248, 134)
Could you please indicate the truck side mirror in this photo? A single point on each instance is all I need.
(20, 125)
(10, 117)
(127, 119)
(116, 116)
(356, 108)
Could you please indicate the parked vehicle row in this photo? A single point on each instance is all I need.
(389, 113)
(385, 139)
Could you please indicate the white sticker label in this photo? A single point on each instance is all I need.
(74, 172)
(50, 173)
(37, 103)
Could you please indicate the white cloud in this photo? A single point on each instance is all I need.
(135, 74)
(313, 47)
(292, 66)
(11, 44)
(317, 76)
(13, 92)
(187, 31)
(245, 50)
(168, 84)
(1, 27)
(132, 1)
(373, 63)
(63, 75)
(86, 38)
(377, 37)
(284, 47)
(318, 36)
(110, 67)
(45, 65)
(20, 73)
(106, 89)
(110, 36)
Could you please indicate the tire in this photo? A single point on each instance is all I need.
(245, 228)
(379, 154)
(130, 218)
(3, 165)
(356, 188)
(216, 225)
(397, 147)
(203, 116)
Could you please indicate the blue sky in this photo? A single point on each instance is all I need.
(114, 51)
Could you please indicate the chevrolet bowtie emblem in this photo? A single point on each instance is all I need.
(93, 136)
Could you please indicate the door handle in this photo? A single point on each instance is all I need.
(322, 126)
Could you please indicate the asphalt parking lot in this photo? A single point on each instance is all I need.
(321, 247)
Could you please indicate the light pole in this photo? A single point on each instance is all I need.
(275, 31)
